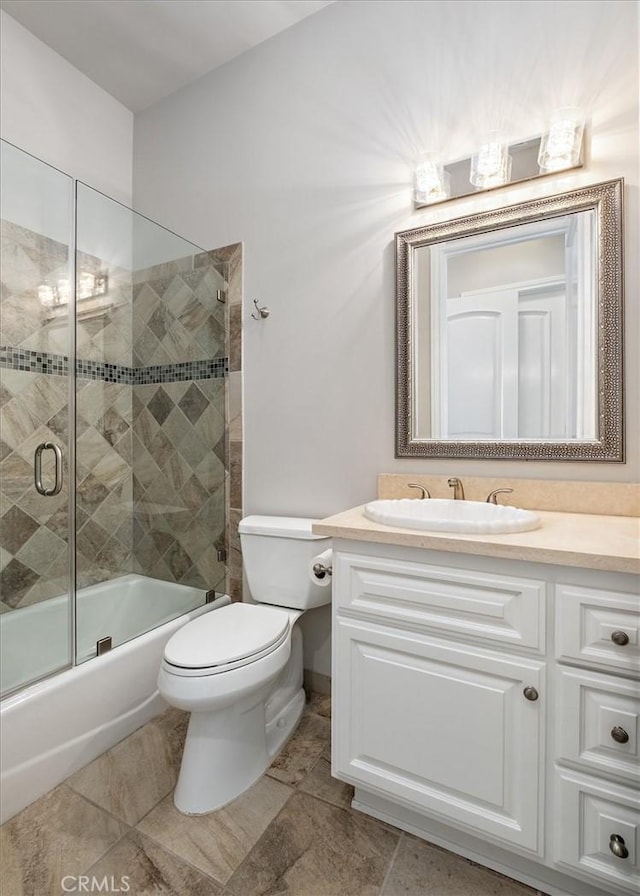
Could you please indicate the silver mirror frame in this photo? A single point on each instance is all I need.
(606, 200)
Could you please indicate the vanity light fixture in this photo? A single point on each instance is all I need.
(91, 294)
(431, 183)
(497, 163)
(53, 293)
(560, 147)
(491, 165)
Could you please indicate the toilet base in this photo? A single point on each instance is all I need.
(227, 751)
(280, 729)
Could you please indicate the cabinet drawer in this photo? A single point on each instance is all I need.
(598, 722)
(592, 817)
(599, 627)
(454, 602)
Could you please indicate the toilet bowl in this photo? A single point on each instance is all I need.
(238, 670)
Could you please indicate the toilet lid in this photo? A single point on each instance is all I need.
(232, 634)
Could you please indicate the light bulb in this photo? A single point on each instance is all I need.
(431, 183)
(560, 146)
(491, 165)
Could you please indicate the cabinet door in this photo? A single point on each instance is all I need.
(440, 727)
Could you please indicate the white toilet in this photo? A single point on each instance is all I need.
(238, 669)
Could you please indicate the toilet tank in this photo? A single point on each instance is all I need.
(276, 553)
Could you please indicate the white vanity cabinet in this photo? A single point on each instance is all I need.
(436, 723)
(464, 710)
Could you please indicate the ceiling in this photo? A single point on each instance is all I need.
(140, 51)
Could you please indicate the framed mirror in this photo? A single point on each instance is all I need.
(509, 327)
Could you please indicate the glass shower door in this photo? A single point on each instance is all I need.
(113, 438)
(36, 311)
(150, 456)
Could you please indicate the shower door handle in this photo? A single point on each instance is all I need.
(37, 469)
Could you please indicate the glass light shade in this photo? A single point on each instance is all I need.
(47, 295)
(491, 165)
(85, 285)
(431, 183)
(560, 146)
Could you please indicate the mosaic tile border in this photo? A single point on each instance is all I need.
(58, 365)
(33, 362)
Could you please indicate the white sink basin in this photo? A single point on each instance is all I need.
(442, 515)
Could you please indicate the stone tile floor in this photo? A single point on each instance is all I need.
(292, 834)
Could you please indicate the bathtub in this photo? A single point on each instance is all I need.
(52, 728)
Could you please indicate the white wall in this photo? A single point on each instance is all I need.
(35, 196)
(51, 110)
(302, 149)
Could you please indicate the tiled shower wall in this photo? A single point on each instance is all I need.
(179, 445)
(153, 452)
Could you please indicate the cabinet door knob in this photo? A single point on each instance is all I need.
(619, 735)
(620, 638)
(617, 846)
(530, 693)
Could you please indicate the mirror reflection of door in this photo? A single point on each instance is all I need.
(504, 366)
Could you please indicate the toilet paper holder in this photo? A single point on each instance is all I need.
(320, 570)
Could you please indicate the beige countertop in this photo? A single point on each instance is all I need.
(584, 540)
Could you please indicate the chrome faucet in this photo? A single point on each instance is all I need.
(458, 490)
(425, 491)
(491, 497)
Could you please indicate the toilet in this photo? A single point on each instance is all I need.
(238, 669)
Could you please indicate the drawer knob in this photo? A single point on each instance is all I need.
(620, 638)
(530, 693)
(617, 847)
(619, 735)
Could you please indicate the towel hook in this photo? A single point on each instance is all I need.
(262, 312)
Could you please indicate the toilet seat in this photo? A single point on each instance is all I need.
(228, 638)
